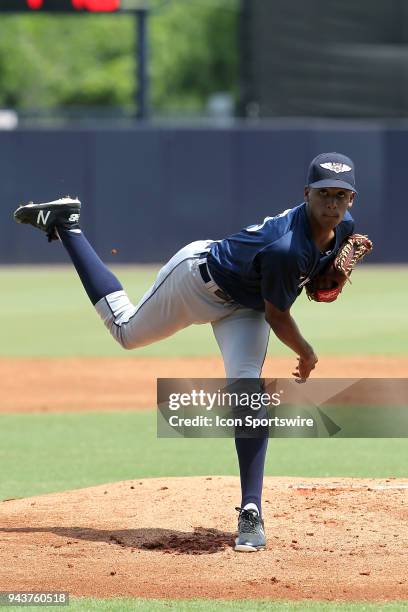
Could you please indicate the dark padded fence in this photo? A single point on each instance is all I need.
(147, 191)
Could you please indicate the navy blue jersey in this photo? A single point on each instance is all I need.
(273, 260)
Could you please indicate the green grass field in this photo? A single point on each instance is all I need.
(50, 315)
(91, 448)
(46, 313)
(158, 605)
(126, 605)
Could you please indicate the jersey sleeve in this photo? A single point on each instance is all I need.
(279, 276)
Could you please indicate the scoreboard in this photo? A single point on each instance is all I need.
(138, 8)
(64, 6)
(79, 6)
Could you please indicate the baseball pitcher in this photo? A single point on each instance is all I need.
(244, 285)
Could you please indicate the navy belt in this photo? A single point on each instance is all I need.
(211, 284)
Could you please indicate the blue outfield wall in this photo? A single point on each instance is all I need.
(147, 191)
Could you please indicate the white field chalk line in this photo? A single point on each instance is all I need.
(382, 487)
(348, 487)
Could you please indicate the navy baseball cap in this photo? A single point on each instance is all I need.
(332, 170)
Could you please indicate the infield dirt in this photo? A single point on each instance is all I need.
(75, 384)
(337, 539)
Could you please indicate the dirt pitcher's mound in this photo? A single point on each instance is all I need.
(340, 539)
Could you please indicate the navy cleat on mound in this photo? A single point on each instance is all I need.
(48, 216)
(251, 534)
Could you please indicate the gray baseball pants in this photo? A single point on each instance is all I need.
(179, 298)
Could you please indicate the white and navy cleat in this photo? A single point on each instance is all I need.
(48, 216)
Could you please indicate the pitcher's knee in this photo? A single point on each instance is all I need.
(127, 341)
(130, 337)
(116, 311)
(124, 341)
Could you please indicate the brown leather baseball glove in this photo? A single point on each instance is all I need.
(327, 286)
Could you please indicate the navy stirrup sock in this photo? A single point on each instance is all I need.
(251, 457)
(96, 278)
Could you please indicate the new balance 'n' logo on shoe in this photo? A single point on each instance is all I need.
(251, 533)
(42, 217)
(49, 216)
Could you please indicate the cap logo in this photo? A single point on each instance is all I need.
(336, 167)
